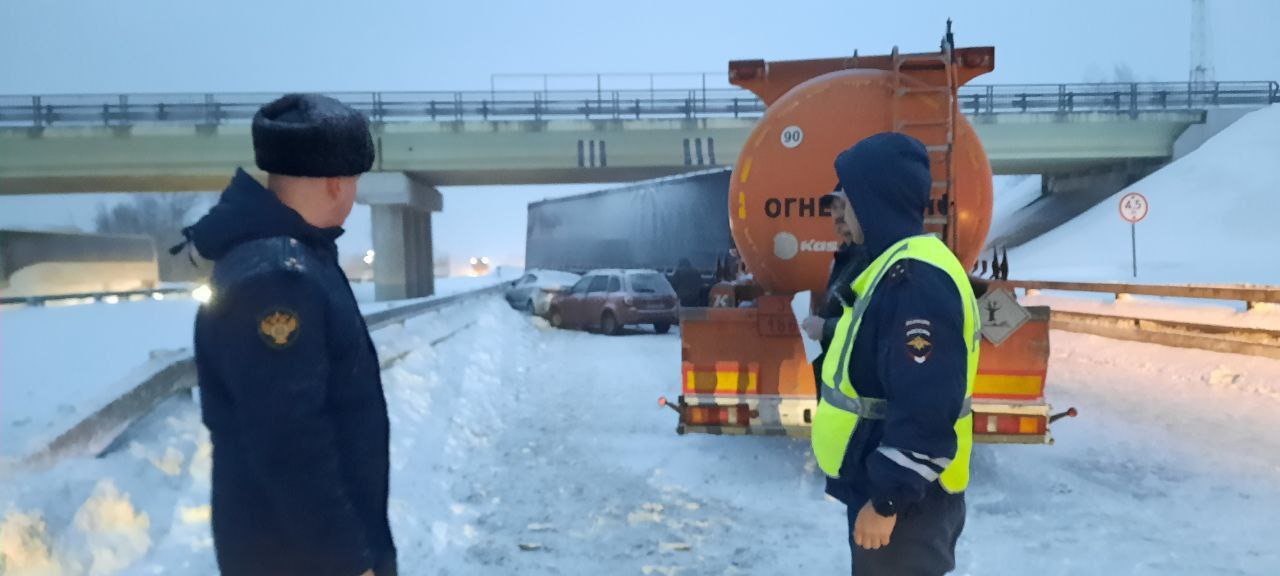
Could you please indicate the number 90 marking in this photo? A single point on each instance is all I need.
(792, 136)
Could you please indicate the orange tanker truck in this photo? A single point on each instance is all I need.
(744, 369)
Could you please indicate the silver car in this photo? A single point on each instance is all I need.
(532, 292)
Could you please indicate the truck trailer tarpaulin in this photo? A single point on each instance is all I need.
(650, 224)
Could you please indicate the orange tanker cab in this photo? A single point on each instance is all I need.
(744, 367)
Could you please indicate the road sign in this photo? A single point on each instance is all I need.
(1001, 315)
(1134, 207)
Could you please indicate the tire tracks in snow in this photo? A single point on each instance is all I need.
(563, 494)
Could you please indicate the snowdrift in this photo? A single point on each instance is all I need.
(1212, 219)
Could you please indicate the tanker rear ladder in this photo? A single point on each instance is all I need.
(941, 209)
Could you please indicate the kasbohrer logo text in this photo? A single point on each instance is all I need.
(818, 246)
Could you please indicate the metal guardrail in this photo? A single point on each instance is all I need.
(384, 318)
(1251, 295)
(122, 110)
(1124, 98)
(94, 434)
(1213, 337)
(42, 299)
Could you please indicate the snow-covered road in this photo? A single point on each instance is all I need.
(574, 469)
(523, 450)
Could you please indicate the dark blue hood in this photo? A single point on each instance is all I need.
(248, 211)
(886, 178)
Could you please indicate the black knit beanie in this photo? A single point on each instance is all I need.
(311, 135)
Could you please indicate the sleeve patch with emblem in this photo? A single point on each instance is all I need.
(919, 339)
(279, 328)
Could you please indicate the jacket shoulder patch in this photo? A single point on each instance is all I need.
(918, 333)
(278, 327)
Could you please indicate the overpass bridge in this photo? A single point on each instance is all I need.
(60, 144)
(1078, 135)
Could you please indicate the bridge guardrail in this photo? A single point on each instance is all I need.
(121, 110)
(1128, 98)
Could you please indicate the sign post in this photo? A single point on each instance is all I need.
(1133, 208)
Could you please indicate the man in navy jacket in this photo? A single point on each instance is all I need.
(289, 380)
(901, 520)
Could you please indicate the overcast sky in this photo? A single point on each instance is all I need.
(256, 45)
(63, 46)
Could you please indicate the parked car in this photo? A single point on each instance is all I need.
(532, 292)
(607, 300)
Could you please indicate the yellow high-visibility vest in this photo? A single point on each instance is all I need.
(840, 407)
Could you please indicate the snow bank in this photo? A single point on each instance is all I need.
(114, 347)
(54, 359)
(521, 449)
(1170, 469)
(107, 534)
(1212, 219)
(106, 516)
(25, 547)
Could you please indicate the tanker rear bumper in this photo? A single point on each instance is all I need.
(994, 422)
(744, 371)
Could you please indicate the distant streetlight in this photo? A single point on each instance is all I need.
(203, 294)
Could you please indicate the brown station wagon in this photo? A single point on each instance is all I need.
(607, 300)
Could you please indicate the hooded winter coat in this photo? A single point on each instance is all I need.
(292, 396)
(887, 180)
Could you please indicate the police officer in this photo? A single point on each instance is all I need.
(289, 381)
(893, 429)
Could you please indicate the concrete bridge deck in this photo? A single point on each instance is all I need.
(59, 144)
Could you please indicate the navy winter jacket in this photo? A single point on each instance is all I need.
(291, 393)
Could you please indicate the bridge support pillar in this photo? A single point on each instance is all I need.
(402, 207)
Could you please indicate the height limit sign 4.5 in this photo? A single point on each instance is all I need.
(1133, 208)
